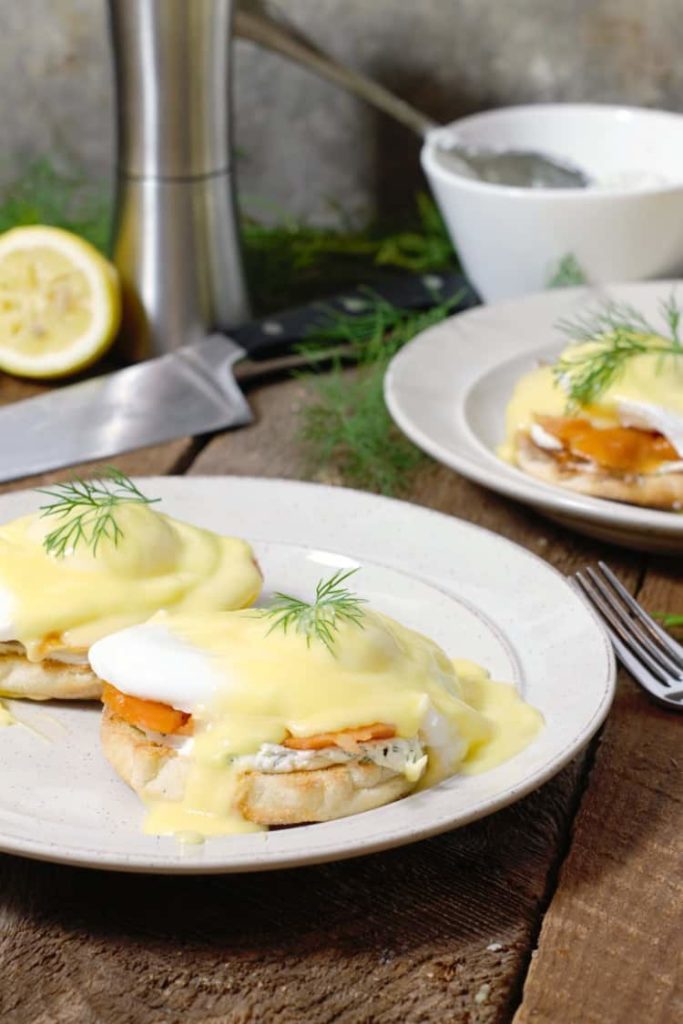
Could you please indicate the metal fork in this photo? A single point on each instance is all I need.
(643, 647)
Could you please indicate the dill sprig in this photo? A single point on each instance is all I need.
(347, 429)
(291, 262)
(318, 620)
(59, 194)
(568, 273)
(670, 621)
(619, 332)
(87, 511)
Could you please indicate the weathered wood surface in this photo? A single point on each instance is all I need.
(610, 946)
(441, 931)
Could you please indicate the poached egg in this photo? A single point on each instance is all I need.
(58, 606)
(645, 396)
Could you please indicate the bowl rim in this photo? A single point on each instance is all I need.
(434, 169)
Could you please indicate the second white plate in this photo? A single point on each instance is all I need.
(449, 388)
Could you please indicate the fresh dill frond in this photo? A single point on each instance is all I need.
(54, 193)
(670, 621)
(611, 316)
(618, 332)
(428, 247)
(585, 377)
(292, 262)
(346, 428)
(350, 437)
(87, 511)
(318, 620)
(568, 273)
(380, 329)
(672, 314)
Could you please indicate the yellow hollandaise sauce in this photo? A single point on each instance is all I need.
(512, 721)
(275, 688)
(48, 602)
(654, 379)
(6, 716)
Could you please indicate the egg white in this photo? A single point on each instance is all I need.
(151, 662)
(646, 416)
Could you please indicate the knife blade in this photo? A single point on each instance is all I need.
(188, 392)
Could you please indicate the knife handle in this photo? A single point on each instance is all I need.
(274, 335)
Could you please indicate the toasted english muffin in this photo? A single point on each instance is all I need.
(153, 769)
(651, 490)
(48, 679)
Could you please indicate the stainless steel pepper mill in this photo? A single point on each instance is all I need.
(176, 240)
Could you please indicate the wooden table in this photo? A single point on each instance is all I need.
(564, 909)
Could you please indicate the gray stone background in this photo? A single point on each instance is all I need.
(306, 148)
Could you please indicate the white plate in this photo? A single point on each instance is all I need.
(478, 595)
(449, 388)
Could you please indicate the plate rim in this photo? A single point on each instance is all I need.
(159, 863)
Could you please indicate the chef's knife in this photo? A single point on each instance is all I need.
(187, 392)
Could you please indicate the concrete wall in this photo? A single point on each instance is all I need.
(308, 148)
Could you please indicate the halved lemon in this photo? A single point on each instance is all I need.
(60, 302)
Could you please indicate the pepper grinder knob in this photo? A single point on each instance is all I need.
(176, 238)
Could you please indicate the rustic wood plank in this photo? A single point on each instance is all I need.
(12, 389)
(269, 447)
(158, 460)
(610, 947)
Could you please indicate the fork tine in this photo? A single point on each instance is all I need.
(625, 638)
(675, 650)
(640, 674)
(635, 627)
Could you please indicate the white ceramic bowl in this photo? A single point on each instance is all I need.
(512, 240)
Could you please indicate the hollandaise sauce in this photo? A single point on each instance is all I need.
(50, 602)
(513, 722)
(6, 716)
(264, 698)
